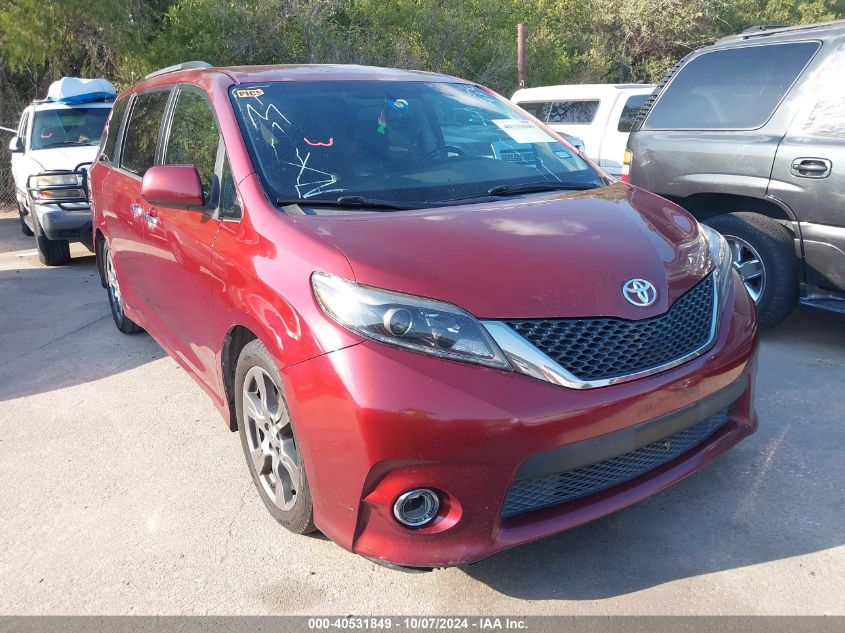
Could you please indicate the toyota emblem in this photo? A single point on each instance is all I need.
(639, 292)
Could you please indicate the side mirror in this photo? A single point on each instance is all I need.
(16, 145)
(176, 186)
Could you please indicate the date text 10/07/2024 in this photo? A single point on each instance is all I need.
(421, 623)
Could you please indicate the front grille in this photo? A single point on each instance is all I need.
(600, 348)
(532, 494)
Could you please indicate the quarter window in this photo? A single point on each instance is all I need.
(141, 136)
(194, 138)
(630, 112)
(230, 206)
(736, 88)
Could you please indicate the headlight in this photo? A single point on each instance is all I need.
(722, 258)
(56, 187)
(55, 180)
(415, 323)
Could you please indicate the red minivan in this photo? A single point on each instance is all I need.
(440, 331)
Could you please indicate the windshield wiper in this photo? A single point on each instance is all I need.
(531, 187)
(356, 202)
(65, 144)
(528, 187)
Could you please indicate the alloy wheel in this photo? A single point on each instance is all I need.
(749, 265)
(114, 285)
(269, 434)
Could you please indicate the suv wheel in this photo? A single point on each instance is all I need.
(269, 440)
(123, 323)
(764, 257)
(24, 226)
(50, 252)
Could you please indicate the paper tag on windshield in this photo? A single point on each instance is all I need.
(523, 131)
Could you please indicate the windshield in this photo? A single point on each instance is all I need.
(402, 142)
(68, 126)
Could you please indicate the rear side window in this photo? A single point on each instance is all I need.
(141, 136)
(575, 112)
(736, 88)
(630, 112)
(194, 137)
(111, 132)
(578, 112)
(539, 109)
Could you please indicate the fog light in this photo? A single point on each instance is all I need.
(417, 507)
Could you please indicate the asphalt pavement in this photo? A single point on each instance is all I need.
(122, 492)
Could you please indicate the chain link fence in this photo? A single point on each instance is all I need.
(7, 185)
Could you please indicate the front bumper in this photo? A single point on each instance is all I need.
(65, 222)
(374, 421)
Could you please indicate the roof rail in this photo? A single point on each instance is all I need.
(764, 30)
(183, 66)
(762, 27)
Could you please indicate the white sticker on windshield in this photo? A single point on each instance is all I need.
(523, 131)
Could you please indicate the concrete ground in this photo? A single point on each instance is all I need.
(121, 492)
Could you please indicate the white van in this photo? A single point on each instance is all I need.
(600, 114)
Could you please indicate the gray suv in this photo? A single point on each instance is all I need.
(748, 135)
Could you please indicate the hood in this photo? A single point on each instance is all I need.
(567, 255)
(66, 158)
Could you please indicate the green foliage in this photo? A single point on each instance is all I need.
(568, 40)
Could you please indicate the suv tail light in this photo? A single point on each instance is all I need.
(627, 157)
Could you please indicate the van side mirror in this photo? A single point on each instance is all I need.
(16, 145)
(175, 186)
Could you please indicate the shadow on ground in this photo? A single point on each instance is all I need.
(56, 329)
(776, 495)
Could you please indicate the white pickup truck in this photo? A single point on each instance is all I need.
(600, 114)
(55, 144)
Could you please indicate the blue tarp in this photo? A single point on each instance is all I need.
(76, 90)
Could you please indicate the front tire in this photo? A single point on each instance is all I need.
(121, 321)
(50, 252)
(764, 257)
(269, 441)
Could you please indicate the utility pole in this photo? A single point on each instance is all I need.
(520, 54)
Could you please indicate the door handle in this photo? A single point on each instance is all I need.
(136, 210)
(151, 217)
(811, 167)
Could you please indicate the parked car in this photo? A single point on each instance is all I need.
(435, 343)
(599, 114)
(55, 144)
(747, 135)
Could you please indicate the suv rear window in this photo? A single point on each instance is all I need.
(630, 112)
(572, 112)
(737, 88)
(141, 136)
